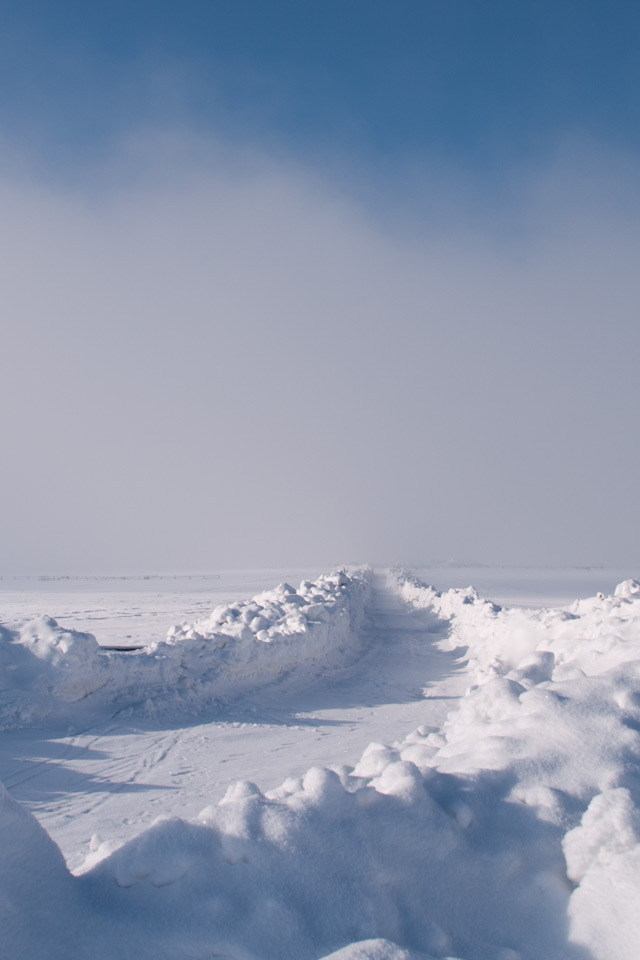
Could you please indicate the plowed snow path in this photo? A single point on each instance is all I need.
(114, 779)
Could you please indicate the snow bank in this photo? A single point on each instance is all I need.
(254, 641)
(50, 673)
(591, 636)
(554, 716)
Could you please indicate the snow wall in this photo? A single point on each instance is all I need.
(511, 834)
(49, 674)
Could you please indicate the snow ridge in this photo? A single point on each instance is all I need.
(50, 673)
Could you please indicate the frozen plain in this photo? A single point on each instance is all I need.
(496, 818)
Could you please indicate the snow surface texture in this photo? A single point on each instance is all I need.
(511, 833)
(51, 673)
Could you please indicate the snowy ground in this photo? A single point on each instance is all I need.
(500, 821)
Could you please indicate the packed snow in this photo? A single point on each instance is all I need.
(502, 824)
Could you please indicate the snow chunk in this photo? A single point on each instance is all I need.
(609, 828)
(375, 950)
(627, 589)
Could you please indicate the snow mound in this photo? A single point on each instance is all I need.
(43, 666)
(376, 950)
(50, 673)
(37, 894)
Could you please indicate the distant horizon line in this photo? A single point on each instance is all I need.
(208, 575)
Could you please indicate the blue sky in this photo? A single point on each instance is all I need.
(478, 84)
(310, 283)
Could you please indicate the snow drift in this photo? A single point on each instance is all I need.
(48, 673)
(554, 715)
(512, 833)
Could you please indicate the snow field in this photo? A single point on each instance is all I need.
(510, 833)
(51, 674)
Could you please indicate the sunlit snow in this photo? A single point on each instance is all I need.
(361, 766)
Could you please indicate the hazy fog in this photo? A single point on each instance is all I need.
(216, 358)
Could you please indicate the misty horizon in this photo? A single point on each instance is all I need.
(218, 368)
